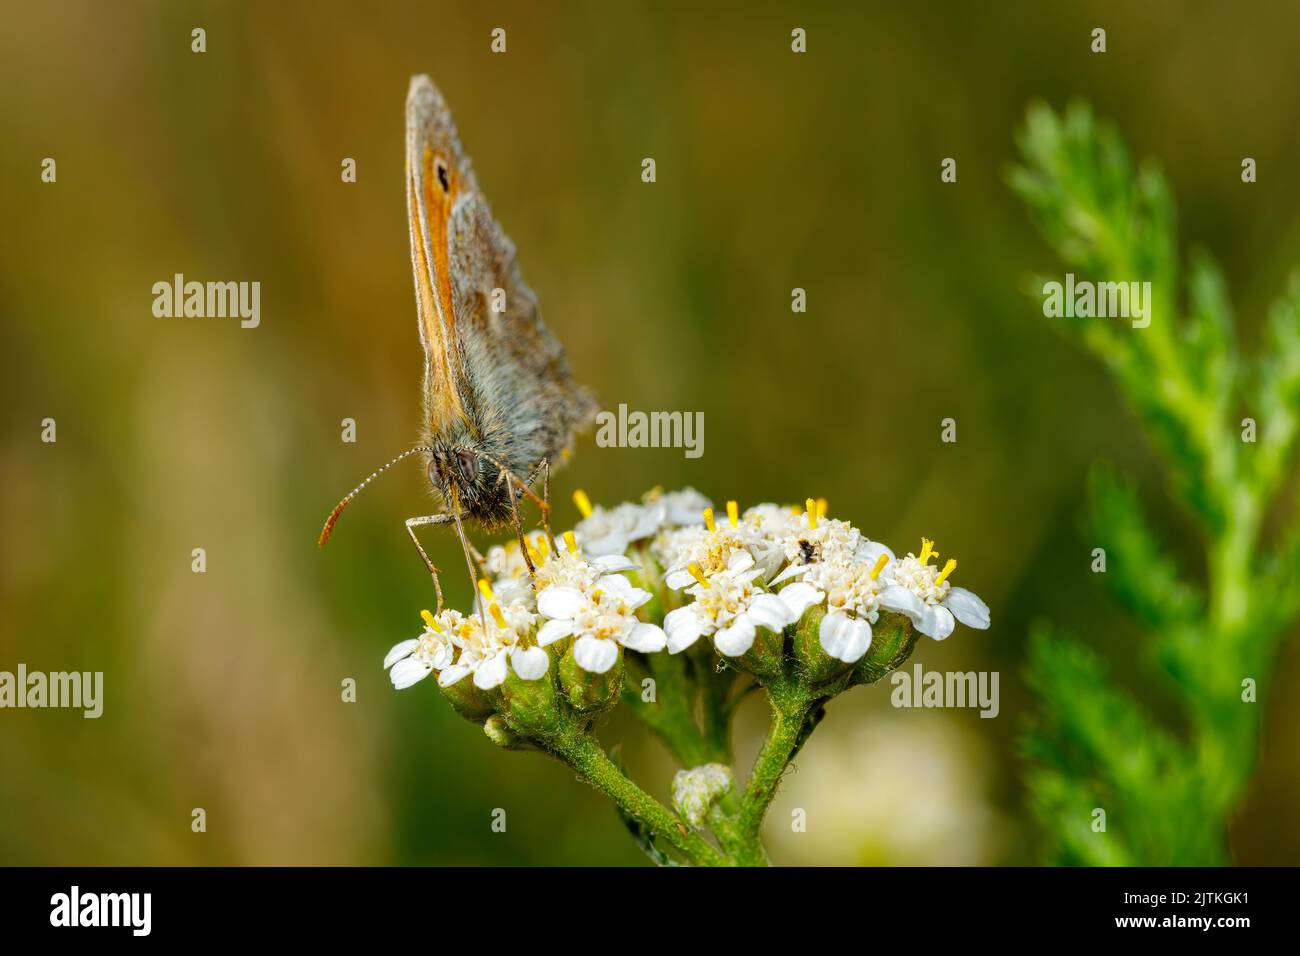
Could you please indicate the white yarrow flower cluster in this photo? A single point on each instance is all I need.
(808, 561)
(724, 580)
(606, 531)
(940, 604)
(729, 608)
(457, 647)
(600, 618)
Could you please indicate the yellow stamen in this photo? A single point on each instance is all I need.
(708, 520)
(543, 546)
(697, 574)
(431, 622)
(500, 618)
(485, 589)
(811, 507)
(879, 566)
(948, 569)
(596, 595)
(733, 514)
(534, 555)
(821, 507)
(795, 509)
(571, 542)
(583, 502)
(927, 551)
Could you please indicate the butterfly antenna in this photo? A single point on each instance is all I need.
(338, 508)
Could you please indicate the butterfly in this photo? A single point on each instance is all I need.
(500, 404)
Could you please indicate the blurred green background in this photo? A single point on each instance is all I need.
(775, 170)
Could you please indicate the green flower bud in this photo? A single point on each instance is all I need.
(496, 730)
(815, 666)
(765, 658)
(892, 641)
(530, 707)
(590, 693)
(467, 700)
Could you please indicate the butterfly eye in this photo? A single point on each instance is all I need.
(441, 168)
(467, 464)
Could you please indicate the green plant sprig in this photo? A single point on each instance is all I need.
(1167, 793)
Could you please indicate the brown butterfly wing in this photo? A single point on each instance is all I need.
(518, 372)
(492, 362)
(436, 171)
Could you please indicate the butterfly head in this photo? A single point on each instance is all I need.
(467, 474)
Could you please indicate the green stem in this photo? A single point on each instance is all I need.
(790, 708)
(588, 759)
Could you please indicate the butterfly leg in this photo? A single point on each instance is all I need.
(523, 485)
(545, 467)
(411, 525)
(519, 528)
(466, 547)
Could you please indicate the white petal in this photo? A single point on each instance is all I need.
(869, 552)
(491, 672)
(941, 623)
(560, 602)
(792, 571)
(613, 543)
(409, 671)
(686, 507)
(683, 627)
(646, 638)
(902, 601)
(442, 657)
(613, 583)
(799, 597)
(678, 579)
(635, 598)
(552, 631)
(530, 663)
(452, 674)
(623, 589)
(769, 611)
(740, 561)
(594, 654)
(400, 650)
(968, 608)
(844, 638)
(736, 638)
(610, 563)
